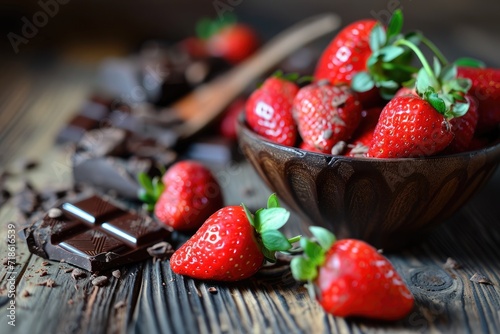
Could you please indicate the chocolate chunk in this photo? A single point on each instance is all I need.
(105, 141)
(161, 250)
(116, 273)
(95, 235)
(89, 117)
(77, 273)
(481, 279)
(100, 281)
(27, 200)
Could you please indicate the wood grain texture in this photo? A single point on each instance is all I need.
(149, 298)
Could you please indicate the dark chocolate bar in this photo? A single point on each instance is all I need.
(94, 234)
(110, 159)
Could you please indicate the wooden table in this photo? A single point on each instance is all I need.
(149, 298)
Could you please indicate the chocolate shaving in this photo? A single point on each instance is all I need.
(77, 274)
(100, 281)
(481, 279)
(452, 264)
(161, 250)
(119, 304)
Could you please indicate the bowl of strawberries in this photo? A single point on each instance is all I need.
(383, 144)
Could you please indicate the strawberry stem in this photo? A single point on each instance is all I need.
(422, 59)
(294, 239)
(435, 50)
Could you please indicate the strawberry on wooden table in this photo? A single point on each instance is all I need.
(188, 195)
(350, 278)
(268, 110)
(326, 114)
(233, 244)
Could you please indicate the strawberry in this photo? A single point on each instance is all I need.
(364, 56)
(269, 110)
(305, 146)
(347, 53)
(191, 195)
(234, 43)
(419, 125)
(463, 128)
(486, 89)
(350, 278)
(232, 244)
(409, 126)
(326, 114)
(363, 135)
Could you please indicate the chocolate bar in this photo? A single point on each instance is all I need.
(110, 159)
(94, 234)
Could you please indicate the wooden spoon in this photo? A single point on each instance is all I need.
(196, 110)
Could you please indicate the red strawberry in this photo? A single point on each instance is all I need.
(486, 89)
(347, 53)
(350, 278)
(463, 128)
(234, 42)
(305, 146)
(326, 114)
(409, 126)
(362, 137)
(232, 244)
(269, 111)
(191, 195)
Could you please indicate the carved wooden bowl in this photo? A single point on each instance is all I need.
(391, 203)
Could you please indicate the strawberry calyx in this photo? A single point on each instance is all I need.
(389, 66)
(439, 85)
(206, 28)
(267, 222)
(293, 77)
(150, 190)
(305, 267)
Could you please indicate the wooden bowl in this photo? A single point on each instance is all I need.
(390, 203)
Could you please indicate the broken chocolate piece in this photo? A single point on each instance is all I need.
(481, 279)
(100, 281)
(95, 235)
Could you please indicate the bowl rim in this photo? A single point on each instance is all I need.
(244, 127)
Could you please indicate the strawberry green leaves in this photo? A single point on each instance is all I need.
(439, 85)
(304, 268)
(389, 66)
(150, 190)
(266, 223)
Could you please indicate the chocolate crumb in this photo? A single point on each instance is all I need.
(43, 273)
(212, 290)
(481, 279)
(119, 304)
(54, 213)
(5, 261)
(26, 293)
(30, 164)
(452, 264)
(161, 250)
(45, 263)
(163, 283)
(100, 281)
(50, 283)
(70, 301)
(68, 270)
(77, 273)
(116, 273)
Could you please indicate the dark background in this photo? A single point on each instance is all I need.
(89, 30)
